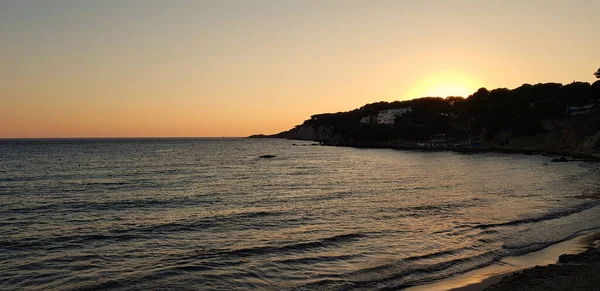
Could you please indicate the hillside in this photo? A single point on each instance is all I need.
(543, 117)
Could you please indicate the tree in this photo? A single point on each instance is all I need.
(482, 93)
(596, 89)
(597, 74)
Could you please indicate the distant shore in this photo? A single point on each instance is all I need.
(592, 157)
(573, 155)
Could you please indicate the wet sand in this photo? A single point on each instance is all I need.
(573, 272)
(578, 261)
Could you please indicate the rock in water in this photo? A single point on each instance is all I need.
(562, 159)
(267, 156)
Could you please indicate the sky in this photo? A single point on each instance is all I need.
(154, 68)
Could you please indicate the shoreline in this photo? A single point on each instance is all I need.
(575, 155)
(492, 275)
(571, 272)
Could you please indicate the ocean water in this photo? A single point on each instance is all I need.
(210, 214)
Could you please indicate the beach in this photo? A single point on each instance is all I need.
(577, 268)
(573, 272)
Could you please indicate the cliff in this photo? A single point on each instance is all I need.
(574, 136)
(319, 133)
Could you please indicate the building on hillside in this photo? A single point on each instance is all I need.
(370, 119)
(441, 140)
(577, 110)
(390, 115)
(449, 115)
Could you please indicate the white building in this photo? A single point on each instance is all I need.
(389, 116)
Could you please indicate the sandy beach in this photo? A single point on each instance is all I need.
(570, 265)
(580, 271)
(572, 272)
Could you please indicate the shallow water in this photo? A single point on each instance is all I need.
(209, 214)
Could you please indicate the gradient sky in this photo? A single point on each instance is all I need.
(126, 68)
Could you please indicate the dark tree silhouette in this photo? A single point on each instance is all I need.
(517, 111)
(597, 74)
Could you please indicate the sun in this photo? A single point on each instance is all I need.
(444, 85)
(449, 89)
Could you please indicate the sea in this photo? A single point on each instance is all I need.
(212, 214)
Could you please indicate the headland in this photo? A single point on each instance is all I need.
(546, 118)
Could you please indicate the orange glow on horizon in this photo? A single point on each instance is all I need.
(445, 85)
(203, 68)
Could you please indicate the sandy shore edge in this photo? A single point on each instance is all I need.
(571, 260)
(572, 272)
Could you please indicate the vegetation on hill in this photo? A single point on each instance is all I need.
(482, 114)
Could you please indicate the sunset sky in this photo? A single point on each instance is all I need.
(126, 68)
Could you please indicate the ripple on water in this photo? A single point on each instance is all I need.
(207, 214)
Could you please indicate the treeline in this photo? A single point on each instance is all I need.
(485, 112)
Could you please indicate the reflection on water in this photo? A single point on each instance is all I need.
(209, 214)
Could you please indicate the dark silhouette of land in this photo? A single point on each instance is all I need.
(545, 117)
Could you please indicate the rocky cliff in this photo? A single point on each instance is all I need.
(572, 136)
(308, 132)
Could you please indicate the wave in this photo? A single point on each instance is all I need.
(548, 216)
(410, 272)
(313, 260)
(404, 274)
(60, 242)
(92, 206)
(19, 179)
(521, 249)
(331, 241)
(432, 209)
(241, 220)
(298, 247)
(434, 255)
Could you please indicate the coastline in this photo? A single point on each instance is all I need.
(571, 272)
(577, 137)
(575, 155)
(577, 257)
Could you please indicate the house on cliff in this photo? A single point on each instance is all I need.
(390, 115)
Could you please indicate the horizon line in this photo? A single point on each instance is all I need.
(127, 137)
